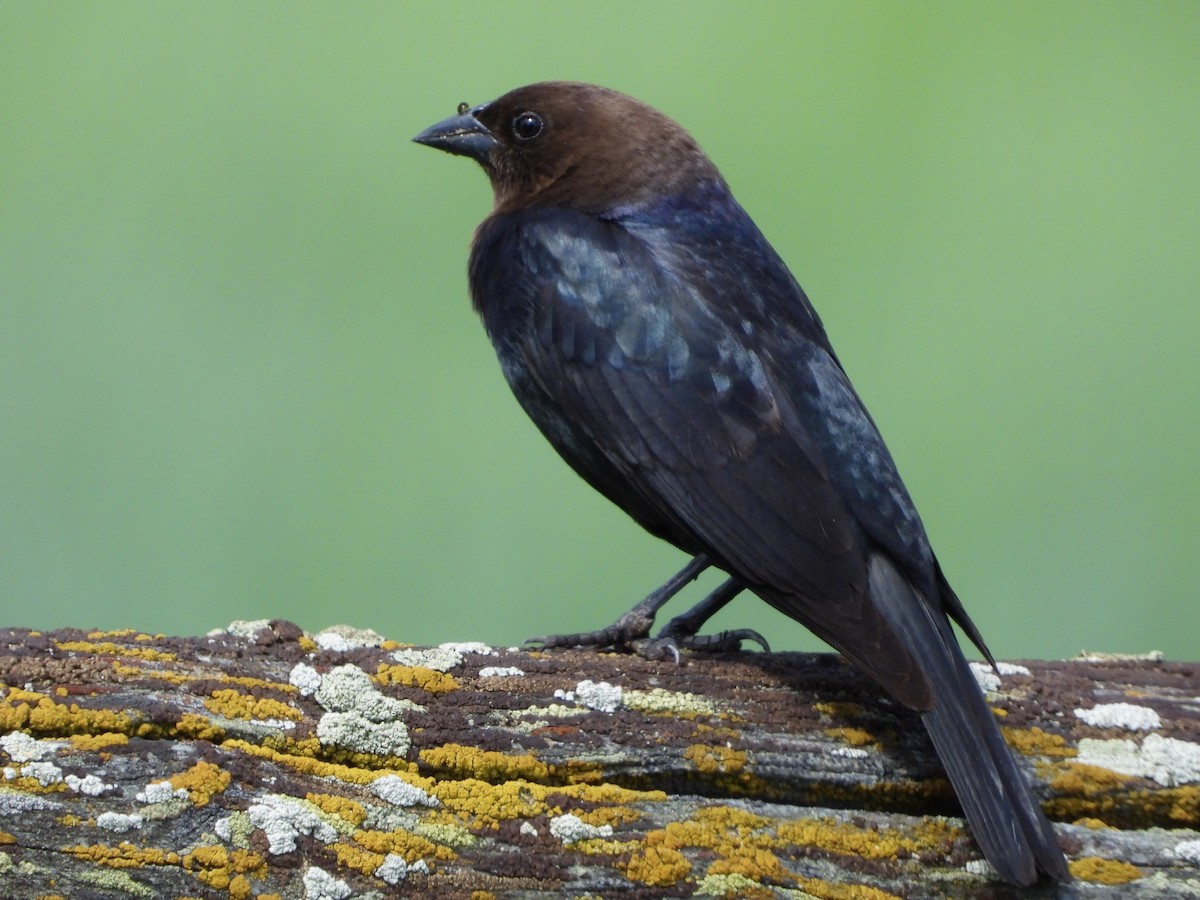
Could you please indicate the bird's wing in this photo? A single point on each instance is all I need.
(696, 417)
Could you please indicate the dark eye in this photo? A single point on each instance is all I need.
(527, 125)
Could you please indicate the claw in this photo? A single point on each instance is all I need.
(658, 648)
(721, 642)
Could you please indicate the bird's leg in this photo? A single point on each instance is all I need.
(633, 626)
(682, 630)
(632, 629)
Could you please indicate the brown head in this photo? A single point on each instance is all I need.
(579, 146)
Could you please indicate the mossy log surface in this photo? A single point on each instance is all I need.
(262, 762)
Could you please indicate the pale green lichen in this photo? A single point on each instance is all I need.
(114, 880)
(678, 704)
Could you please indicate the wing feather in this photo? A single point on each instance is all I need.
(700, 428)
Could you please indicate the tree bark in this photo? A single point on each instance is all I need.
(261, 761)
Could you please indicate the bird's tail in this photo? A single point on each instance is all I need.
(1001, 810)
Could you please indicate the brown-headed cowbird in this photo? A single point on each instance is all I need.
(662, 346)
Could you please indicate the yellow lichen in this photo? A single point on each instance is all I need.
(1031, 741)
(1094, 824)
(656, 864)
(31, 785)
(199, 728)
(416, 676)
(261, 683)
(715, 733)
(826, 890)
(480, 804)
(69, 820)
(840, 709)
(108, 648)
(202, 782)
(236, 705)
(96, 742)
(1104, 871)
(305, 761)
(343, 807)
(411, 846)
(39, 713)
(13, 716)
(488, 765)
(6, 838)
(855, 737)
(756, 863)
(711, 759)
(1081, 779)
(866, 843)
(118, 633)
(364, 861)
(307, 644)
(738, 840)
(1086, 791)
(607, 815)
(371, 764)
(123, 856)
(127, 671)
(223, 870)
(605, 847)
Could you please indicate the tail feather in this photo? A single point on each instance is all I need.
(1001, 810)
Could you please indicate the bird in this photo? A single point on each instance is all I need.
(665, 350)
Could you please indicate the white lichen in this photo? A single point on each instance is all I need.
(569, 829)
(982, 868)
(1168, 761)
(92, 785)
(20, 747)
(1188, 851)
(1121, 715)
(598, 695)
(118, 822)
(355, 731)
(244, 628)
(988, 678)
(320, 885)
(395, 790)
(440, 659)
(15, 802)
(304, 678)
(465, 647)
(360, 717)
(344, 638)
(394, 869)
(161, 792)
(500, 671)
(284, 819)
(46, 773)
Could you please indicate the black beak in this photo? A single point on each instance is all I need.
(463, 135)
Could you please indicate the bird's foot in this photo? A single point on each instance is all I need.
(630, 633)
(624, 634)
(680, 634)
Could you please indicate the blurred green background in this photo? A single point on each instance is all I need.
(240, 376)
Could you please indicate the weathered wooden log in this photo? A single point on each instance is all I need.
(260, 761)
